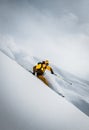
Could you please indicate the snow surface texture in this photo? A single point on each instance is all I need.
(28, 104)
(77, 93)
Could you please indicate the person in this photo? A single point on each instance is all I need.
(40, 69)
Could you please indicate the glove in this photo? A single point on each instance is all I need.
(52, 72)
(33, 73)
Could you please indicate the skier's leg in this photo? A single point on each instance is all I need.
(41, 77)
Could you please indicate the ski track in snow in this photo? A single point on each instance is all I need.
(77, 93)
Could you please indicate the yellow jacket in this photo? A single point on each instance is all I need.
(40, 69)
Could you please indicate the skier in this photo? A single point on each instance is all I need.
(39, 70)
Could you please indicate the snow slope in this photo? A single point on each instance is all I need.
(28, 104)
(77, 93)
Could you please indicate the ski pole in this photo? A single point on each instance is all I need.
(63, 79)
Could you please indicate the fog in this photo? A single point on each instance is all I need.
(55, 30)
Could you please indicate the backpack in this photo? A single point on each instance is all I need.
(39, 68)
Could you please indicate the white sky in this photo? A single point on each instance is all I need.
(57, 30)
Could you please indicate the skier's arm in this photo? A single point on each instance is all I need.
(34, 70)
(50, 69)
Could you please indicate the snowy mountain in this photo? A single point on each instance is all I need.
(32, 31)
(77, 93)
(26, 103)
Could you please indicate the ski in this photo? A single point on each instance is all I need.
(60, 94)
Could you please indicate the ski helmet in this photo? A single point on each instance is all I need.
(46, 62)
